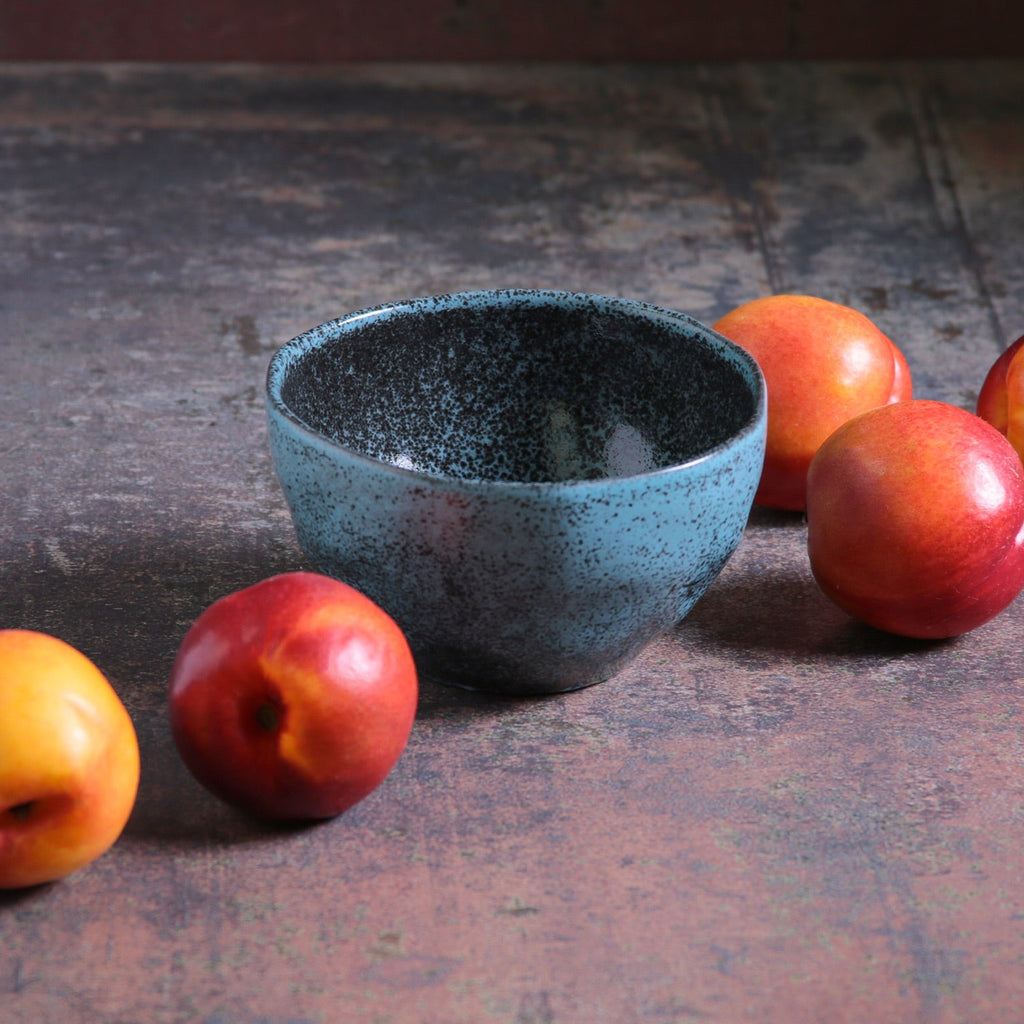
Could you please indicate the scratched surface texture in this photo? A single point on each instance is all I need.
(775, 815)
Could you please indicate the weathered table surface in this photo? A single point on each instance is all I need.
(776, 815)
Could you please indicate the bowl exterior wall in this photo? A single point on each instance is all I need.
(532, 589)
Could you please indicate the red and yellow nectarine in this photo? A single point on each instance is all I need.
(823, 363)
(1001, 399)
(915, 519)
(69, 760)
(293, 698)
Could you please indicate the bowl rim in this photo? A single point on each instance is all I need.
(295, 348)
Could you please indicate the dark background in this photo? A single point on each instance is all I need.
(486, 30)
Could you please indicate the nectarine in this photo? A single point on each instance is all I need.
(915, 519)
(293, 698)
(1001, 399)
(823, 363)
(69, 760)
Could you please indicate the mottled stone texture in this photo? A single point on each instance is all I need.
(776, 815)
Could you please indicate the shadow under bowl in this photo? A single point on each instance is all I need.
(534, 484)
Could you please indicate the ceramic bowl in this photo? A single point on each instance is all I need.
(534, 484)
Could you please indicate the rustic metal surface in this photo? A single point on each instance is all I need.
(776, 815)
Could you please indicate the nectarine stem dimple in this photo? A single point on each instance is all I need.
(268, 716)
(20, 812)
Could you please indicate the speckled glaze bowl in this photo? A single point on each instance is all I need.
(534, 484)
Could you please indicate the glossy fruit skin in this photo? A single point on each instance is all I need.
(1001, 399)
(915, 519)
(293, 698)
(69, 760)
(823, 364)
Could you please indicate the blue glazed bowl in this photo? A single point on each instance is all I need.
(534, 484)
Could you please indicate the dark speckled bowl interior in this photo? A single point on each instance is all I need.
(534, 484)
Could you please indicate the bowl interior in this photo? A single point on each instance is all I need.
(530, 391)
